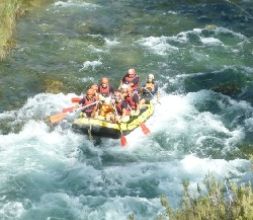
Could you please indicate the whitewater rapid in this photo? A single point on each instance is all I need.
(52, 169)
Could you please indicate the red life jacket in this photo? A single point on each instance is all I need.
(131, 102)
(86, 101)
(104, 91)
(119, 108)
(128, 80)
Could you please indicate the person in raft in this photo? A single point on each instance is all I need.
(106, 110)
(131, 79)
(95, 88)
(89, 102)
(132, 99)
(122, 110)
(149, 90)
(105, 89)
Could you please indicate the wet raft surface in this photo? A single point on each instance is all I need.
(112, 130)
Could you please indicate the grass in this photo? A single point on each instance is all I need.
(10, 11)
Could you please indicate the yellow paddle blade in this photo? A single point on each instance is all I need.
(58, 117)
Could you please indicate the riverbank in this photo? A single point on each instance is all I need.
(10, 11)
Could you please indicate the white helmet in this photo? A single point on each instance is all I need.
(151, 76)
(124, 86)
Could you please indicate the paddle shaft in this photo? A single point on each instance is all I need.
(58, 117)
(123, 139)
(152, 94)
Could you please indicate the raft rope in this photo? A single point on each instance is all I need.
(89, 132)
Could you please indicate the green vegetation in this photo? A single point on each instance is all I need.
(10, 10)
(221, 201)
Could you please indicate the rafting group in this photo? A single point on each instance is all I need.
(103, 102)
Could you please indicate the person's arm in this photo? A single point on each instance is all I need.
(142, 89)
(82, 101)
(157, 94)
(136, 99)
(96, 108)
(124, 106)
(155, 89)
(135, 81)
(111, 90)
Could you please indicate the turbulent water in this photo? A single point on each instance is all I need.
(201, 53)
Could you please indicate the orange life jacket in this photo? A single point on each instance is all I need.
(105, 109)
(150, 86)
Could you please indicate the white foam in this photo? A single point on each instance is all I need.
(238, 35)
(91, 64)
(249, 124)
(75, 3)
(172, 12)
(95, 49)
(120, 190)
(164, 45)
(199, 168)
(211, 41)
(111, 42)
(11, 210)
(38, 107)
(183, 37)
(158, 45)
(188, 129)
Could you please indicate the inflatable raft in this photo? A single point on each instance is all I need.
(104, 128)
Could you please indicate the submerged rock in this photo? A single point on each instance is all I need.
(53, 86)
(229, 89)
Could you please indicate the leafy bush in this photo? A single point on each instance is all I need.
(227, 201)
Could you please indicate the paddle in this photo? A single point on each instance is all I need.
(60, 116)
(144, 128)
(123, 140)
(75, 99)
(157, 97)
(69, 109)
(57, 117)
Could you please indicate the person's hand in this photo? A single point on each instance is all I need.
(101, 98)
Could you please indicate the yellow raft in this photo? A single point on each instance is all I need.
(113, 130)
